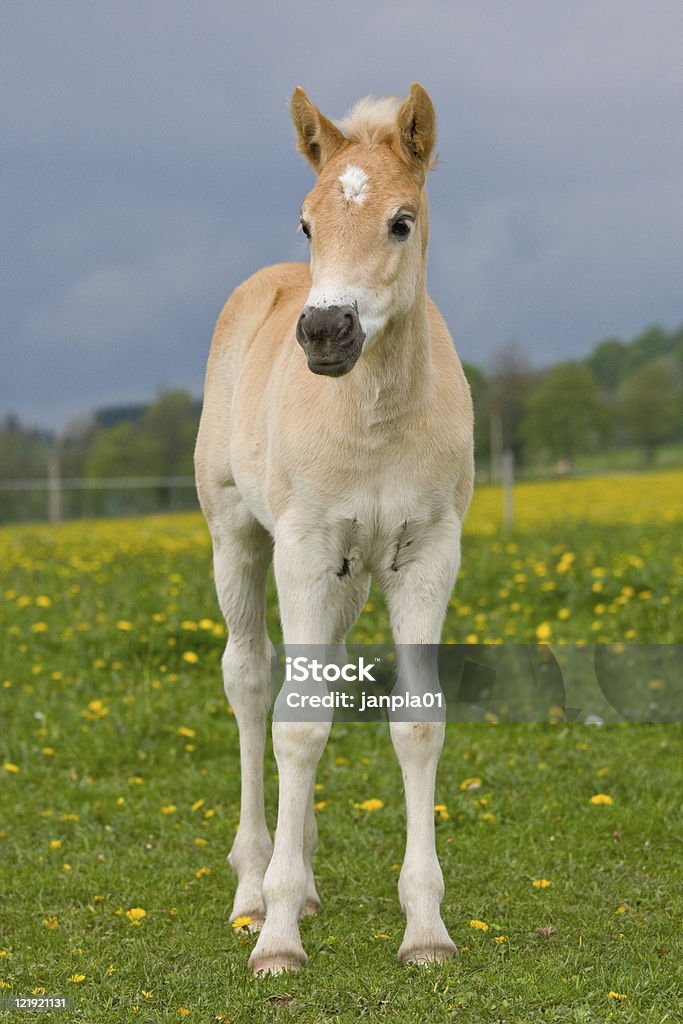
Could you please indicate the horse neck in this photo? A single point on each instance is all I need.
(398, 365)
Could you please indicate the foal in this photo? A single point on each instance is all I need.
(336, 430)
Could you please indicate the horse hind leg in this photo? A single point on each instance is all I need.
(242, 554)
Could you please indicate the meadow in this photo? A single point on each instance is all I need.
(119, 786)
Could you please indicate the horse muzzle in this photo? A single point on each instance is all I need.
(331, 337)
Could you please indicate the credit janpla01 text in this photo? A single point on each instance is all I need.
(302, 670)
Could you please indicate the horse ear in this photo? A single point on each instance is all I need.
(316, 137)
(417, 126)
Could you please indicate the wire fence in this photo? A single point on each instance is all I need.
(54, 498)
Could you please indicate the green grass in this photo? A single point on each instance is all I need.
(112, 709)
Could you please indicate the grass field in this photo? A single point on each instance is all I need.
(119, 789)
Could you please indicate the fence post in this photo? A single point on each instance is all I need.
(508, 480)
(54, 488)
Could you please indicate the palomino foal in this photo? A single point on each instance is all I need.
(337, 427)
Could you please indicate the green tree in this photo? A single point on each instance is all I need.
(510, 384)
(479, 386)
(607, 363)
(650, 403)
(566, 414)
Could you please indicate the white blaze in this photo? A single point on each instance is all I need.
(354, 183)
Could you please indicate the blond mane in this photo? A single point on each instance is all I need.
(371, 120)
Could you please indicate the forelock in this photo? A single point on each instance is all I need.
(371, 120)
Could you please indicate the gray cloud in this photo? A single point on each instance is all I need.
(150, 166)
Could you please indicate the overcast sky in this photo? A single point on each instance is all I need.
(149, 165)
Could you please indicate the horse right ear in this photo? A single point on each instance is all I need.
(316, 137)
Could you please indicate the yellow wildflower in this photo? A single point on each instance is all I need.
(472, 783)
(370, 805)
(135, 915)
(241, 922)
(541, 883)
(479, 925)
(602, 799)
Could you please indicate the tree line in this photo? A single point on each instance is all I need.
(623, 395)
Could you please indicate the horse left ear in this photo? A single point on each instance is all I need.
(317, 138)
(417, 126)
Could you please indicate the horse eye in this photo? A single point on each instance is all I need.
(306, 230)
(401, 228)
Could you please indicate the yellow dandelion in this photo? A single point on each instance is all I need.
(199, 841)
(51, 923)
(616, 995)
(370, 805)
(77, 978)
(11, 768)
(124, 625)
(441, 811)
(544, 631)
(135, 915)
(183, 1011)
(191, 658)
(472, 783)
(202, 872)
(43, 601)
(241, 922)
(168, 809)
(500, 939)
(185, 731)
(621, 909)
(480, 926)
(602, 799)
(320, 805)
(55, 844)
(197, 804)
(541, 883)
(488, 817)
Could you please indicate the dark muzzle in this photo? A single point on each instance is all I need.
(331, 337)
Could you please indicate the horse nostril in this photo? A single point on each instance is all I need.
(301, 334)
(346, 328)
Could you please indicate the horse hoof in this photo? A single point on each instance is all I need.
(311, 907)
(263, 966)
(427, 955)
